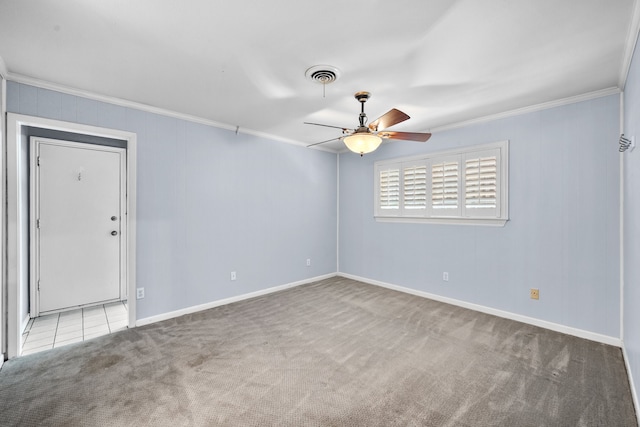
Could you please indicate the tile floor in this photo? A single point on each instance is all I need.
(55, 330)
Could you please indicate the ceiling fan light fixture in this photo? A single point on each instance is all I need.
(367, 138)
(362, 143)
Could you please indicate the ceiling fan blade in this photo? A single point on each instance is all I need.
(390, 118)
(322, 142)
(407, 136)
(327, 126)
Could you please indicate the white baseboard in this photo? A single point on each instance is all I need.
(212, 304)
(605, 339)
(634, 394)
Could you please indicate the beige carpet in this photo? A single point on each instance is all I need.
(331, 353)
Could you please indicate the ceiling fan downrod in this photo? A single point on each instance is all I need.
(362, 97)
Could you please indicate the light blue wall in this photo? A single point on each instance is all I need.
(563, 236)
(211, 202)
(631, 191)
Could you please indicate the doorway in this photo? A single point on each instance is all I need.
(16, 216)
(76, 228)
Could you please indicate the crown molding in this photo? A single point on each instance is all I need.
(530, 109)
(19, 78)
(630, 45)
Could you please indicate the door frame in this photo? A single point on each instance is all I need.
(34, 203)
(16, 216)
(3, 294)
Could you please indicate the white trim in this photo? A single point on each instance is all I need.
(218, 303)
(14, 240)
(31, 81)
(3, 68)
(18, 78)
(634, 394)
(621, 220)
(3, 281)
(448, 221)
(530, 109)
(338, 212)
(605, 339)
(131, 223)
(630, 45)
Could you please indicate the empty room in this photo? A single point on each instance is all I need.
(293, 213)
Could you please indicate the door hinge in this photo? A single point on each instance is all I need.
(38, 160)
(37, 223)
(38, 285)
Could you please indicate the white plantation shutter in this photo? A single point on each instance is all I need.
(445, 186)
(480, 189)
(414, 180)
(388, 190)
(464, 185)
(481, 196)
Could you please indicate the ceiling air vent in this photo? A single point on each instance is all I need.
(323, 74)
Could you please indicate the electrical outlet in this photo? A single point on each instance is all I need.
(445, 276)
(233, 275)
(534, 293)
(139, 293)
(308, 262)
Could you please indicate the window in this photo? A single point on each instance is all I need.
(468, 186)
(414, 178)
(445, 187)
(389, 189)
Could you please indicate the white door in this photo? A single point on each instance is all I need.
(78, 194)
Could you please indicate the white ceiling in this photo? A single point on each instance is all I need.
(243, 63)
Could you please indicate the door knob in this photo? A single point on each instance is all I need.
(114, 233)
(113, 218)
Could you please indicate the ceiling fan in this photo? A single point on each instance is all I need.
(367, 138)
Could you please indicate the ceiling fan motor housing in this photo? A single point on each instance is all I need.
(362, 96)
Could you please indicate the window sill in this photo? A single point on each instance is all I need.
(490, 222)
